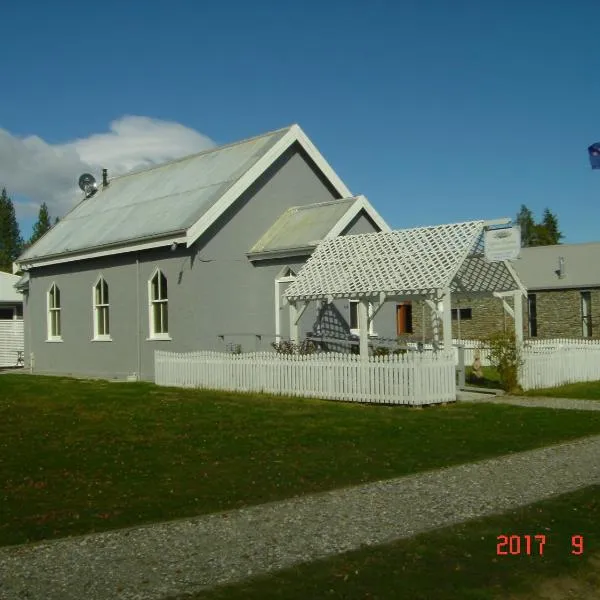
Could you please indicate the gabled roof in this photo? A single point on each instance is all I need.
(301, 228)
(409, 262)
(173, 202)
(538, 267)
(8, 293)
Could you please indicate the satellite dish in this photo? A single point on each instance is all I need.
(87, 182)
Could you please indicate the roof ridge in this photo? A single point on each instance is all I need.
(196, 154)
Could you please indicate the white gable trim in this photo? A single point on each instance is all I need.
(295, 134)
(361, 204)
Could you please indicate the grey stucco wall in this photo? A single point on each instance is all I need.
(216, 295)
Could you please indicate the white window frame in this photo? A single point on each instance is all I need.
(53, 314)
(370, 311)
(586, 313)
(101, 308)
(153, 302)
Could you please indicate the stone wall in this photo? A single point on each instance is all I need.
(487, 317)
(558, 316)
(559, 313)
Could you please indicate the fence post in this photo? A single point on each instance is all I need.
(461, 365)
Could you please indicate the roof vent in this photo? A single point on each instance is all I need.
(561, 267)
(87, 184)
(104, 178)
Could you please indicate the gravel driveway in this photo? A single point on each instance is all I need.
(184, 556)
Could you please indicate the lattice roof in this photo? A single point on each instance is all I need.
(409, 262)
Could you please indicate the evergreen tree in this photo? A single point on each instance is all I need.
(544, 233)
(42, 225)
(528, 229)
(11, 242)
(548, 231)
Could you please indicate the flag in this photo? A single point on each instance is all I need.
(594, 152)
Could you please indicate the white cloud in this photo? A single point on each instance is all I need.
(40, 172)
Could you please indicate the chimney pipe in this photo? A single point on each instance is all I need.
(561, 267)
(104, 178)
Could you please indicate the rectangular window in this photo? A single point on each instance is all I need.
(404, 322)
(462, 314)
(6, 313)
(586, 314)
(353, 317)
(54, 308)
(532, 314)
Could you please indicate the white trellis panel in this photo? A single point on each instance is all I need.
(407, 262)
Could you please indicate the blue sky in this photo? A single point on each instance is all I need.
(437, 111)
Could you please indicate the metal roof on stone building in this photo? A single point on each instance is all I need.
(539, 267)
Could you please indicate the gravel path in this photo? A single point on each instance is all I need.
(532, 401)
(184, 556)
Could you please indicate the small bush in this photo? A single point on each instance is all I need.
(289, 347)
(505, 356)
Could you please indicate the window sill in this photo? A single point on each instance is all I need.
(370, 334)
(102, 338)
(54, 340)
(159, 337)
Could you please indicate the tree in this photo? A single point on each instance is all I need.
(525, 220)
(42, 224)
(11, 242)
(544, 233)
(548, 231)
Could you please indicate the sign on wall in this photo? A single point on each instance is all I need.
(502, 244)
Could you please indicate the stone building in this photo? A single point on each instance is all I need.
(563, 301)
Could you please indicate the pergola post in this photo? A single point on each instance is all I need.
(293, 323)
(447, 319)
(363, 328)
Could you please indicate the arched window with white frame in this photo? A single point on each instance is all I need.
(101, 310)
(158, 306)
(54, 314)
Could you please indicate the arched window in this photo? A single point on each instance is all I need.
(101, 311)
(54, 308)
(159, 309)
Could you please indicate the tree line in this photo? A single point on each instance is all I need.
(538, 233)
(12, 243)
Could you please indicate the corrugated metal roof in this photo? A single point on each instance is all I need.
(302, 226)
(7, 288)
(160, 200)
(538, 266)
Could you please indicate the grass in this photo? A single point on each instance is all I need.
(81, 456)
(455, 563)
(491, 378)
(589, 390)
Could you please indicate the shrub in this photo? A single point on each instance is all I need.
(505, 356)
(289, 347)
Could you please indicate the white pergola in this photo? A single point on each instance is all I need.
(429, 263)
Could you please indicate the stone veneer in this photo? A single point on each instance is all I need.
(558, 316)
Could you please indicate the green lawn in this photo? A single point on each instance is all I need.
(456, 563)
(586, 391)
(81, 456)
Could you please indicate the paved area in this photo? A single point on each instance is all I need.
(157, 561)
(531, 401)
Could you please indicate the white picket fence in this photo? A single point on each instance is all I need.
(412, 378)
(11, 341)
(549, 363)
